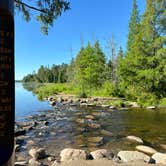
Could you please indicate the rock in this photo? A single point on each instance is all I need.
(93, 125)
(51, 158)
(133, 104)
(20, 163)
(107, 133)
(135, 139)
(84, 104)
(146, 149)
(73, 154)
(90, 117)
(105, 106)
(96, 140)
(127, 156)
(55, 163)
(33, 162)
(20, 132)
(37, 153)
(52, 103)
(17, 148)
(151, 107)
(101, 153)
(163, 146)
(112, 107)
(30, 142)
(81, 121)
(27, 128)
(160, 158)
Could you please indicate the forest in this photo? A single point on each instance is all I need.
(138, 74)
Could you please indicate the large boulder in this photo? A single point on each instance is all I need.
(127, 156)
(37, 153)
(73, 154)
(160, 158)
(146, 149)
(100, 154)
(135, 139)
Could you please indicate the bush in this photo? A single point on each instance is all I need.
(162, 102)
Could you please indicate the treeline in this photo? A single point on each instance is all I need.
(55, 74)
(139, 74)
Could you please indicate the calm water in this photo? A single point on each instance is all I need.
(27, 103)
(66, 131)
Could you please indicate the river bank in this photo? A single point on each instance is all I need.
(70, 125)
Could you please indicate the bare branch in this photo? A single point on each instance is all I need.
(31, 7)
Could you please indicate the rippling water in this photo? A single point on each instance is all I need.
(64, 129)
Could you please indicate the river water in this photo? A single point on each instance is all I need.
(68, 132)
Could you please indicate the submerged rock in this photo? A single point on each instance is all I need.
(146, 149)
(96, 140)
(135, 139)
(160, 158)
(127, 156)
(73, 154)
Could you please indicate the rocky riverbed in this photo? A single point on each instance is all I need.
(53, 137)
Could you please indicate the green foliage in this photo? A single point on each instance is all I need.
(55, 74)
(133, 25)
(47, 11)
(52, 89)
(163, 102)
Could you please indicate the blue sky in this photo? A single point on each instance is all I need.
(91, 19)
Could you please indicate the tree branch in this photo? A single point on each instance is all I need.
(31, 7)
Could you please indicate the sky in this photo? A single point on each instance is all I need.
(88, 20)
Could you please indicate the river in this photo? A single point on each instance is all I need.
(65, 131)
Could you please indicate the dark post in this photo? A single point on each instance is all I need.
(7, 92)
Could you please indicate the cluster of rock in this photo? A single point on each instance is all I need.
(72, 100)
(39, 154)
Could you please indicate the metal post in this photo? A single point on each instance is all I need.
(7, 92)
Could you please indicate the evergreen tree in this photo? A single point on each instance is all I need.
(133, 25)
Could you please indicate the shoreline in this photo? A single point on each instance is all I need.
(39, 124)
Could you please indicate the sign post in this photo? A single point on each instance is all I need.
(7, 92)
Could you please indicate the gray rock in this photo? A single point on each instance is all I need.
(146, 149)
(160, 158)
(135, 139)
(37, 153)
(33, 162)
(73, 154)
(127, 156)
(51, 158)
(20, 163)
(151, 107)
(107, 133)
(101, 153)
(55, 163)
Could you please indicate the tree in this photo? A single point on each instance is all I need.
(47, 11)
(133, 25)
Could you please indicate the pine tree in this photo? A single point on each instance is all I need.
(133, 25)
